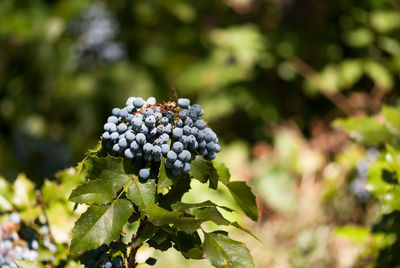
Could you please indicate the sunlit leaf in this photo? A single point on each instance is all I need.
(225, 252)
(100, 225)
(93, 192)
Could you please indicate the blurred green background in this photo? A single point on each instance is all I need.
(271, 75)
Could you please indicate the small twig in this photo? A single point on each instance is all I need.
(39, 200)
(134, 247)
(305, 70)
(125, 189)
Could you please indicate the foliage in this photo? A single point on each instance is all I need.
(383, 177)
(163, 219)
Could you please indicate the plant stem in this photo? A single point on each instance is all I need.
(125, 189)
(134, 248)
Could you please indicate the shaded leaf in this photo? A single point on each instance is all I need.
(243, 196)
(180, 206)
(211, 214)
(203, 170)
(225, 252)
(100, 225)
(181, 186)
(189, 245)
(187, 224)
(93, 192)
(142, 194)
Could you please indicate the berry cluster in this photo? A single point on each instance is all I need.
(12, 246)
(146, 130)
(101, 259)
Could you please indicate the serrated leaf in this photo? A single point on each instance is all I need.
(28, 264)
(237, 225)
(225, 252)
(203, 170)
(211, 214)
(109, 169)
(164, 181)
(100, 225)
(223, 172)
(364, 130)
(142, 194)
(160, 216)
(180, 206)
(244, 197)
(93, 192)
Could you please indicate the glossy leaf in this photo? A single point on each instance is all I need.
(142, 194)
(160, 216)
(93, 192)
(225, 252)
(100, 225)
(109, 169)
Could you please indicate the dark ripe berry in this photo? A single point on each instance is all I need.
(144, 173)
(145, 131)
(184, 103)
(151, 261)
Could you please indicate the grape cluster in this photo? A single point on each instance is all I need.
(146, 130)
(99, 257)
(12, 247)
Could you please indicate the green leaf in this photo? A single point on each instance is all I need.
(164, 180)
(365, 130)
(203, 170)
(243, 196)
(211, 214)
(160, 216)
(100, 225)
(142, 194)
(392, 116)
(180, 206)
(187, 224)
(223, 172)
(93, 192)
(237, 225)
(5, 195)
(109, 169)
(225, 252)
(28, 264)
(189, 245)
(180, 187)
